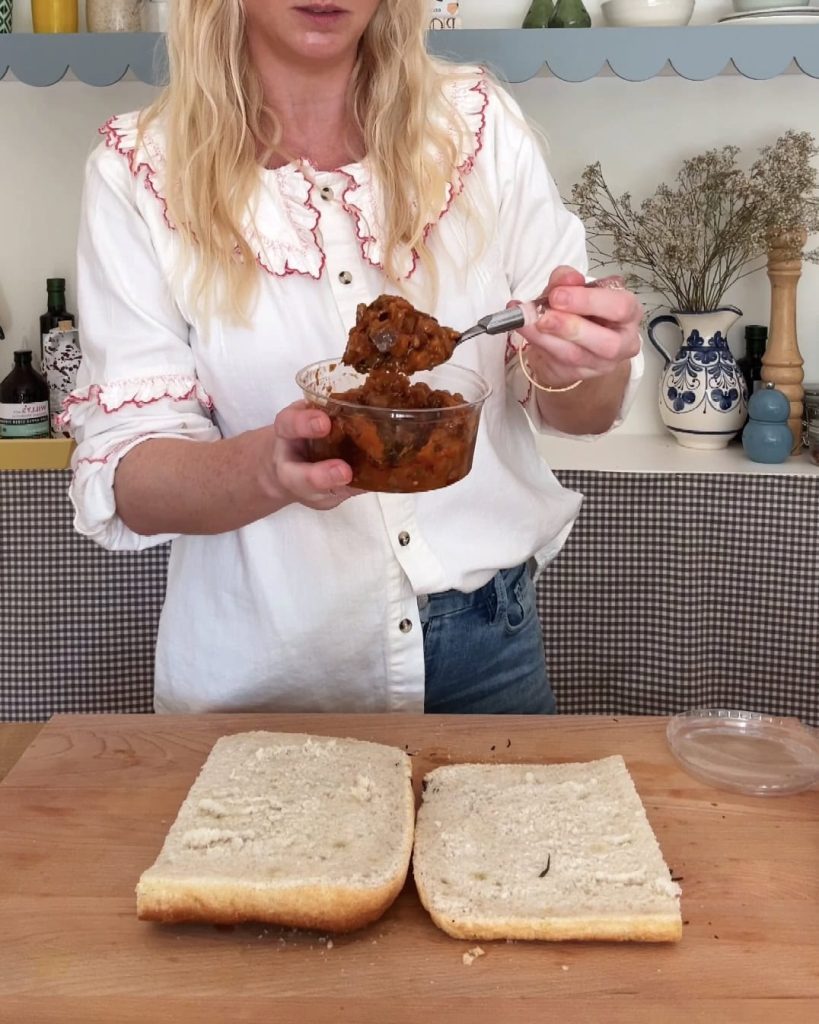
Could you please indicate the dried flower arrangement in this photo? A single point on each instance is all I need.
(691, 243)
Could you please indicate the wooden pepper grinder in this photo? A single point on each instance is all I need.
(782, 362)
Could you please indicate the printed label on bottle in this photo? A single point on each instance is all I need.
(444, 15)
(27, 420)
(61, 360)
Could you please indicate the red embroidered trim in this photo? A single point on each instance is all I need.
(358, 219)
(461, 171)
(314, 231)
(510, 352)
(466, 167)
(95, 392)
(114, 140)
(89, 460)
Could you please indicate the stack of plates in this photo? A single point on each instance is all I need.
(774, 16)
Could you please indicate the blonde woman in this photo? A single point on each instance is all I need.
(307, 157)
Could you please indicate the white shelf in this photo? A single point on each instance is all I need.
(630, 453)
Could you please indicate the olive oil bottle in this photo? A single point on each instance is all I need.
(24, 401)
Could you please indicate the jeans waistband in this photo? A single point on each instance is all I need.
(448, 601)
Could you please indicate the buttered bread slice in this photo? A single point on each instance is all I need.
(561, 851)
(301, 831)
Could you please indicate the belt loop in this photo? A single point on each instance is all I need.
(500, 597)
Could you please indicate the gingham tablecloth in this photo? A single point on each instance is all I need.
(673, 591)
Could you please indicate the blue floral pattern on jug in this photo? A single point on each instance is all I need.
(704, 371)
(702, 394)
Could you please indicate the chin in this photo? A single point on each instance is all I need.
(321, 46)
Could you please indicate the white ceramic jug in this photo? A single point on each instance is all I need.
(703, 399)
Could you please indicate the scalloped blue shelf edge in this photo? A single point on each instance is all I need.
(574, 55)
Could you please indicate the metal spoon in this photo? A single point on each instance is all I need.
(527, 313)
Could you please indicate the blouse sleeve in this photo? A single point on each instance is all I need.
(137, 379)
(537, 234)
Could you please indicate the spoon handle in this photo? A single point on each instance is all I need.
(534, 310)
(524, 314)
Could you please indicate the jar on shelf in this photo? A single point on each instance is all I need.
(570, 14)
(155, 16)
(113, 15)
(54, 16)
(810, 409)
(539, 14)
(813, 442)
(443, 15)
(767, 436)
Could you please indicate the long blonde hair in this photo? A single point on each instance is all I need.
(215, 124)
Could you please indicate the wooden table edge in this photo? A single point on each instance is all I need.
(15, 739)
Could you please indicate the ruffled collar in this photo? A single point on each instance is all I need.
(283, 226)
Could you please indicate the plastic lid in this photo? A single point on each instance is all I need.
(745, 751)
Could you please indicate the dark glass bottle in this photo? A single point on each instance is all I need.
(56, 311)
(24, 401)
(539, 14)
(750, 365)
(570, 14)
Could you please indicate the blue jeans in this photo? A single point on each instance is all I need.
(483, 652)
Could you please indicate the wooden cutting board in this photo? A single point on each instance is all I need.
(86, 809)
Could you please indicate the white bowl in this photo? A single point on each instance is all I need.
(493, 13)
(647, 13)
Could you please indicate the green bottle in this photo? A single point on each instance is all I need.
(570, 14)
(539, 14)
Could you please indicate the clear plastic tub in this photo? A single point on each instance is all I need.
(745, 751)
(399, 450)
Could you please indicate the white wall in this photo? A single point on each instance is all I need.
(640, 132)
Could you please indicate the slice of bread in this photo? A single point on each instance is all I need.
(301, 831)
(562, 851)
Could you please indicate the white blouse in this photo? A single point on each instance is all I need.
(308, 610)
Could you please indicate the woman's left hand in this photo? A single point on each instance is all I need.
(585, 332)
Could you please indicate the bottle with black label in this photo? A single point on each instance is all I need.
(23, 401)
(56, 311)
(750, 365)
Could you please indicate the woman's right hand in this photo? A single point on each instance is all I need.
(286, 472)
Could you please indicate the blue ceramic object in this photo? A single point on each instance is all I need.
(702, 392)
(767, 436)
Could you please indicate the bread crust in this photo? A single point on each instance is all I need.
(317, 907)
(321, 905)
(556, 929)
(660, 927)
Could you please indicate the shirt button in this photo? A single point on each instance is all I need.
(326, 193)
(405, 625)
(403, 538)
(345, 277)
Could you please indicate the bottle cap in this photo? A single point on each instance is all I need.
(22, 355)
(55, 284)
(756, 332)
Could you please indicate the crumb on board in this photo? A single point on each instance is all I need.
(471, 955)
